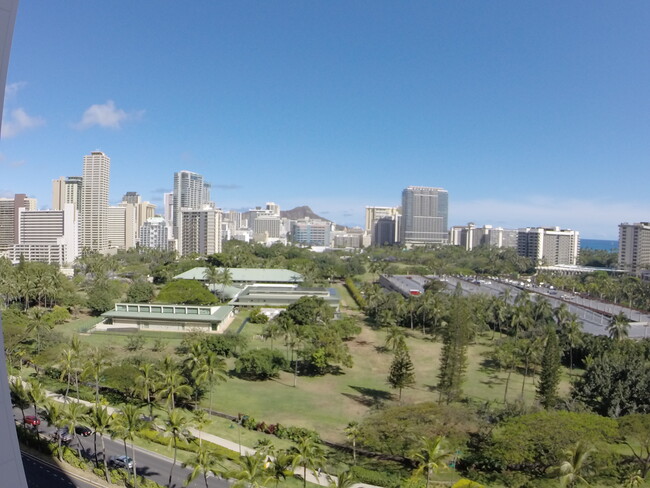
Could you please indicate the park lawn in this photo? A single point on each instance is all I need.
(328, 403)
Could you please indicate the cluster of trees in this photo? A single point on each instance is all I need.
(313, 339)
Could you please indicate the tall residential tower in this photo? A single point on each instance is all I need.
(94, 201)
(424, 216)
(191, 192)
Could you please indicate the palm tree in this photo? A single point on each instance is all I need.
(66, 365)
(203, 463)
(619, 327)
(352, 432)
(54, 418)
(211, 372)
(129, 423)
(211, 275)
(176, 427)
(570, 472)
(74, 415)
(37, 396)
(431, 457)
(251, 472)
(173, 385)
(100, 421)
(96, 363)
(307, 454)
(145, 384)
(281, 465)
(394, 337)
(19, 395)
(200, 418)
(343, 480)
(573, 334)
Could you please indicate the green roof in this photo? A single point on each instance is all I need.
(247, 275)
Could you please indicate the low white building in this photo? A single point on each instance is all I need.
(168, 318)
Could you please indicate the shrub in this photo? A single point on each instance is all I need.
(257, 317)
(355, 293)
(387, 480)
(260, 364)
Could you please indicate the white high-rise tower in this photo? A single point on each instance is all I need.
(190, 192)
(94, 201)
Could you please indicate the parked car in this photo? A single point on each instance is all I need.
(64, 434)
(121, 462)
(83, 430)
(32, 420)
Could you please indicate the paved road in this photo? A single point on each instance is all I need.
(148, 464)
(594, 315)
(43, 475)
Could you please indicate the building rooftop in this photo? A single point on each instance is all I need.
(247, 275)
(152, 311)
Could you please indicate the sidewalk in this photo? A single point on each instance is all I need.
(322, 479)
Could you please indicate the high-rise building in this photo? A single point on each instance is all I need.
(122, 226)
(469, 236)
(155, 234)
(549, 245)
(200, 231)
(191, 192)
(94, 201)
(424, 216)
(132, 197)
(168, 207)
(67, 190)
(634, 246)
(273, 208)
(48, 236)
(9, 208)
(311, 232)
(266, 226)
(382, 225)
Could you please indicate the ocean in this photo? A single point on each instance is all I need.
(599, 244)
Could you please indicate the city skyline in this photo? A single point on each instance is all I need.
(528, 115)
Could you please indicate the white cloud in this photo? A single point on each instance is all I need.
(106, 115)
(19, 121)
(12, 89)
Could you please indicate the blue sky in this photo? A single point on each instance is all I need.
(529, 113)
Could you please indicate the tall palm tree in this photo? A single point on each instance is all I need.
(19, 395)
(308, 454)
(173, 385)
(431, 456)
(176, 427)
(54, 417)
(146, 385)
(211, 275)
(619, 327)
(574, 337)
(200, 418)
(251, 473)
(129, 423)
(212, 371)
(205, 462)
(100, 421)
(352, 432)
(94, 367)
(74, 415)
(66, 366)
(37, 396)
(571, 471)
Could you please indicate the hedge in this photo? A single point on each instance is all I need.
(355, 293)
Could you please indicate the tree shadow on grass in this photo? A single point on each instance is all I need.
(369, 397)
(490, 368)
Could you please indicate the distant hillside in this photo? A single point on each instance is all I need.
(301, 213)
